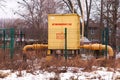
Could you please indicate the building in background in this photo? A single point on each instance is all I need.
(93, 31)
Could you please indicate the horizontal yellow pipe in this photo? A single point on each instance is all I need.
(98, 47)
(35, 46)
(86, 46)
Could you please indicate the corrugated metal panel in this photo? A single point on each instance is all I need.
(56, 25)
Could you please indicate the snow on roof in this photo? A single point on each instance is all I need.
(84, 39)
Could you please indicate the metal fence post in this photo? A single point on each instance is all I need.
(65, 54)
(12, 42)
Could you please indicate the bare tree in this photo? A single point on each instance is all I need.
(35, 13)
(2, 4)
(88, 9)
(110, 16)
(114, 20)
(78, 4)
(7, 23)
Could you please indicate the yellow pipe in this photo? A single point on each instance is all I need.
(86, 46)
(27, 47)
(35, 46)
(98, 47)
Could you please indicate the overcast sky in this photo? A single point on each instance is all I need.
(10, 7)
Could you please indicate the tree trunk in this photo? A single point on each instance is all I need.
(88, 9)
(114, 32)
(114, 37)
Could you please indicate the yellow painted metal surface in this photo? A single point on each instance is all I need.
(34, 46)
(98, 47)
(56, 26)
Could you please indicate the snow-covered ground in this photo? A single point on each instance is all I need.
(69, 73)
(118, 55)
(99, 73)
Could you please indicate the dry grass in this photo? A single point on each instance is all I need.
(3, 75)
(36, 59)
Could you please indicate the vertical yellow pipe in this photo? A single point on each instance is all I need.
(82, 23)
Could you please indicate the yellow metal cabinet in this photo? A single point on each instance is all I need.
(56, 26)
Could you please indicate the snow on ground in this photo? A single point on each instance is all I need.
(100, 74)
(118, 55)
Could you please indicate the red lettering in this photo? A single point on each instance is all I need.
(62, 24)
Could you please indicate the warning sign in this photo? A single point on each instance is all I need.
(60, 35)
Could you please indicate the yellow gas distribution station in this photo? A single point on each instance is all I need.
(56, 31)
(57, 23)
